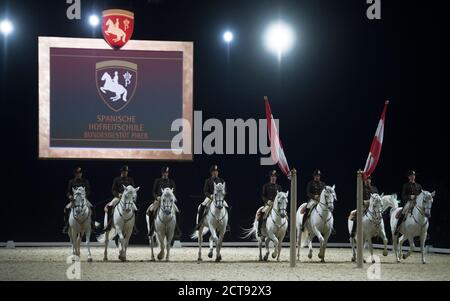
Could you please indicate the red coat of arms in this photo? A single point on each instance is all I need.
(117, 27)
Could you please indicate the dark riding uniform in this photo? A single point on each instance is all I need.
(410, 191)
(208, 188)
(119, 182)
(158, 186)
(270, 191)
(74, 184)
(313, 188)
(368, 190)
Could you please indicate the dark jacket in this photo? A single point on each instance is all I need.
(410, 189)
(75, 183)
(314, 188)
(269, 191)
(160, 184)
(208, 188)
(118, 184)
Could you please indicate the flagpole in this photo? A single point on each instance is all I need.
(293, 223)
(359, 216)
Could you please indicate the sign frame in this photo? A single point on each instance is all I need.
(47, 152)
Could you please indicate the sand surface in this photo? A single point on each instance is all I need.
(238, 264)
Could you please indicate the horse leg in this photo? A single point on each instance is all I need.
(395, 247)
(411, 247)
(219, 245)
(400, 246)
(124, 97)
(280, 245)
(79, 245)
(267, 241)
(200, 242)
(211, 247)
(299, 243)
(161, 245)
(275, 243)
(369, 242)
(353, 243)
(151, 240)
(423, 238)
(88, 244)
(310, 253)
(321, 240)
(260, 242)
(105, 253)
(121, 244)
(325, 243)
(169, 242)
(385, 242)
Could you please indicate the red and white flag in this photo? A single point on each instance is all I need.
(275, 143)
(377, 143)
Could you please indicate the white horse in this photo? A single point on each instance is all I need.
(123, 223)
(115, 30)
(80, 222)
(216, 221)
(373, 226)
(165, 223)
(415, 224)
(114, 87)
(319, 224)
(274, 229)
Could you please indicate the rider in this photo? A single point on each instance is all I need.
(116, 77)
(208, 190)
(368, 190)
(77, 181)
(313, 190)
(117, 190)
(159, 185)
(269, 192)
(410, 192)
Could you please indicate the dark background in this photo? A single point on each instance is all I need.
(328, 93)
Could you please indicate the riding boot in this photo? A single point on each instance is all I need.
(178, 233)
(135, 229)
(305, 217)
(151, 221)
(65, 229)
(201, 214)
(353, 228)
(400, 221)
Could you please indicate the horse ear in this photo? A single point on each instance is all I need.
(162, 190)
(334, 187)
(137, 189)
(73, 190)
(382, 195)
(433, 194)
(124, 187)
(287, 194)
(224, 185)
(171, 190)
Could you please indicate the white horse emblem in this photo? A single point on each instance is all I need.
(114, 29)
(112, 85)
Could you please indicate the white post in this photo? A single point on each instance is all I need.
(359, 216)
(293, 232)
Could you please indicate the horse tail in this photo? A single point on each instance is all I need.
(247, 233)
(102, 237)
(195, 234)
(303, 237)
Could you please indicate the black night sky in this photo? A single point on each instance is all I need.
(328, 93)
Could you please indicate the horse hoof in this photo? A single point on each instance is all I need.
(322, 261)
(160, 256)
(153, 259)
(373, 260)
(90, 260)
(320, 256)
(210, 254)
(385, 253)
(199, 259)
(266, 257)
(364, 261)
(219, 259)
(122, 258)
(424, 262)
(310, 256)
(404, 256)
(105, 258)
(274, 255)
(353, 259)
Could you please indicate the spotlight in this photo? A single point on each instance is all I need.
(279, 38)
(6, 27)
(228, 36)
(94, 20)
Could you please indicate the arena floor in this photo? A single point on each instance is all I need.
(238, 264)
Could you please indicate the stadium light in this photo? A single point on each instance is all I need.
(279, 38)
(6, 27)
(94, 20)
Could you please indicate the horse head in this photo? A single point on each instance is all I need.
(390, 201)
(425, 201)
(328, 197)
(106, 77)
(376, 204)
(219, 195)
(167, 200)
(129, 197)
(79, 197)
(281, 202)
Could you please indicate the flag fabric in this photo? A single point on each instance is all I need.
(276, 147)
(377, 143)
